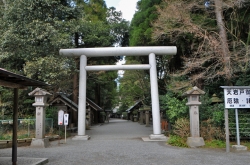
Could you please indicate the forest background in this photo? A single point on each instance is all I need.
(212, 38)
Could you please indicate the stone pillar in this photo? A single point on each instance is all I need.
(141, 117)
(138, 116)
(193, 102)
(40, 104)
(135, 116)
(107, 117)
(147, 118)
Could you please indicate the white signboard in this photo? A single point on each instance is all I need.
(66, 119)
(60, 117)
(237, 97)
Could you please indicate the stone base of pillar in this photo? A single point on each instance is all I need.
(40, 143)
(157, 137)
(239, 148)
(195, 142)
(84, 137)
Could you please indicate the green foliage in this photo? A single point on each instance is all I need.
(140, 29)
(124, 114)
(218, 115)
(134, 86)
(178, 141)
(122, 108)
(175, 108)
(95, 10)
(52, 112)
(246, 143)
(56, 71)
(6, 102)
(215, 112)
(215, 144)
(35, 29)
(96, 34)
(244, 122)
(5, 137)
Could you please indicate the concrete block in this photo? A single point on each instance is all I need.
(195, 142)
(40, 143)
(239, 148)
(157, 137)
(78, 137)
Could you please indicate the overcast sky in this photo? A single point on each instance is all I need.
(127, 7)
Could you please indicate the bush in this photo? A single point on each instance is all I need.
(210, 132)
(175, 108)
(178, 141)
(182, 128)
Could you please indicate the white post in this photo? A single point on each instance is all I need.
(82, 101)
(155, 100)
(65, 133)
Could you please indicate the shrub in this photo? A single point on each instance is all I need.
(182, 128)
(210, 132)
(178, 141)
(175, 108)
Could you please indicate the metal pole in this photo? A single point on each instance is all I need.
(82, 96)
(237, 126)
(65, 132)
(227, 130)
(14, 138)
(59, 138)
(154, 95)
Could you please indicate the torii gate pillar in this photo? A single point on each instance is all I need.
(83, 53)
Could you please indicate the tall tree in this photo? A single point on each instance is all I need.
(141, 28)
(32, 31)
(100, 27)
(140, 34)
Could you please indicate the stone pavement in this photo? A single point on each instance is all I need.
(120, 142)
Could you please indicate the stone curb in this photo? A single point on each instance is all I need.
(24, 161)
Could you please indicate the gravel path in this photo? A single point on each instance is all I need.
(119, 142)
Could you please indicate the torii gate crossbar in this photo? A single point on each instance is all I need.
(83, 53)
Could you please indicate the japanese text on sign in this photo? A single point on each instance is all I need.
(66, 119)
(60, 117)
(237, 98)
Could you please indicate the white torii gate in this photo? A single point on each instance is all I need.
(83, 53)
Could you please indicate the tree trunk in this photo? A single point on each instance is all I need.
(224, 44)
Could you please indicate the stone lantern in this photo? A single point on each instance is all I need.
(193, 96)
(40, 104)
(144, 114)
